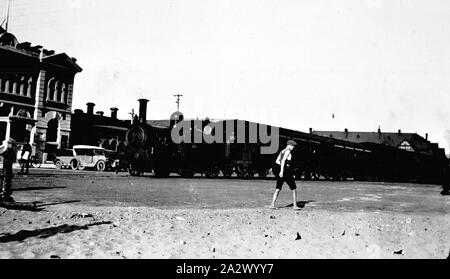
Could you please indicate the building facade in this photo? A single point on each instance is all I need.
(36, 90)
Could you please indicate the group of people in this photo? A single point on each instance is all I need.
(8, 153)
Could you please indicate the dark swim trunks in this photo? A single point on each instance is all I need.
(288, 177)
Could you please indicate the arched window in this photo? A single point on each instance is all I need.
(9, 85)
(30, 86)
(50, 89)
(57, 91)
(16, 85)
(62, 98)
(23, 86)
(24, 113)
(6, 86)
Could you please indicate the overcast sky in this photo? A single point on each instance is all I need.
(290, 63)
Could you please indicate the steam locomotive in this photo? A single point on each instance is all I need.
(152, 148)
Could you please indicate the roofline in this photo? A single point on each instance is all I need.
(363, 132)
(36, 56)
(75, 65)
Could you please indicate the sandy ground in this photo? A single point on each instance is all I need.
(107, 215)
(77, 231)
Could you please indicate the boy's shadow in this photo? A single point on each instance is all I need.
(300, 204)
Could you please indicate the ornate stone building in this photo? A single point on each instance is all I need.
(36, 88)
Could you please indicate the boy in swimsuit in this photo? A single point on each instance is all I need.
(286, 173)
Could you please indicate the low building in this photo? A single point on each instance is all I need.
(406, 141)
(98, 129)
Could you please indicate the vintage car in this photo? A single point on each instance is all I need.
(80, 157)
(64, 158)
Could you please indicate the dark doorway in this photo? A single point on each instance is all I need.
(52, 130)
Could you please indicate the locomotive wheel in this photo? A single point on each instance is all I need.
(161, 172)
(214, 172)
(249, 174)
(132, 171)
(262, 173)
(315, 176)
(243, 171)
(187, 173)
(227, 173)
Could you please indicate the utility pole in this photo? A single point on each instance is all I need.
(178, 100)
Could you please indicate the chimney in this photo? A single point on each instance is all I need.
(114, 113)
(399, 131)
(310, 130)
(426, 136)
(100, 113)
(143, 110)
(90, 108)
(346, 132)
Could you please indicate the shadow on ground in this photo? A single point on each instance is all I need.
(31, 206)
(48, 232)
(300, 204)
(37, 188)
(41, 204)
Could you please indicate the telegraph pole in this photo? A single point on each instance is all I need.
(178, 100)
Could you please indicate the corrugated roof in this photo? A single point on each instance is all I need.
(417, 142)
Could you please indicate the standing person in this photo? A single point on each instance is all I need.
(25, 158)
(9, 157)
(286, 173)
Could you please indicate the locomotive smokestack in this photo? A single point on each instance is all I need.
(143, 110)
(90, 108)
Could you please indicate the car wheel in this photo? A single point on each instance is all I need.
(101, 166)
(74, 164)
(58, 165)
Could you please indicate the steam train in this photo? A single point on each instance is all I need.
(152, 148)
